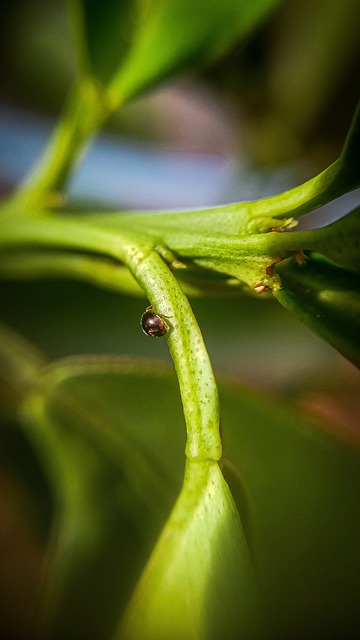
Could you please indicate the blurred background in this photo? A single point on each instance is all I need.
(271, 114)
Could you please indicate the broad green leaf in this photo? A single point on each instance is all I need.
(25, 519)
(327, 299)
(114, 479)
(339, 241)
(133, 45)
(349, 172)
(308, 59)
(199, 581)
(102, 32)
(296, 488)
(302, 515)
(125, 47)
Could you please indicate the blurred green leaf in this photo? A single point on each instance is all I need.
(349, 173)
(339, 241)
(308, 62)
(26, 511)
(102, 31)
(115, 461)
(302, 516)
(130, 46)
(327, 299)
(114, 478)
(199, 583)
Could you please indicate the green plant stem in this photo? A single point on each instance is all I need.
(84, 112)
(56, 233)
(197, 384)
(80, 234)
(187, 348)
(245, 257)
(99, 271)
(140, 253)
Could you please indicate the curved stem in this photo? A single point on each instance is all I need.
(197, 384)
(196, 379)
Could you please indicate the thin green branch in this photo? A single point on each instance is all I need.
(84, 113)
(259, 216)
(97, 270)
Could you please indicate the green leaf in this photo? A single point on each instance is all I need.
(339, 241)
(199, 581)
(301, 517)
(133, 45)
(296, 488)
(125, 47)
(349, 172)
(115, 472)
(102, 31)
(327, 299)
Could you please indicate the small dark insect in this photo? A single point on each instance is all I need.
(153, 324)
